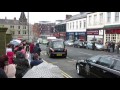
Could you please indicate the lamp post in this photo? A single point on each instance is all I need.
(28, 26)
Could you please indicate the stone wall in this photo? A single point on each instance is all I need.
(8, 38)
(2, 40)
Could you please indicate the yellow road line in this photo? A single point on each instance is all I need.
(65, 74)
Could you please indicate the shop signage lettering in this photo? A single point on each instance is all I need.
(95, 32)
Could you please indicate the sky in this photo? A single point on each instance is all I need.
(35, 17)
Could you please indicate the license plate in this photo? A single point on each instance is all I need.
(59, 54)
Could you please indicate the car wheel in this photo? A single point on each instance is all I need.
(78, 69)
(87, 69)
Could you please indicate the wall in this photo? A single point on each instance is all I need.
(98, 24)
(112, 19)
(3, 40)
(75, 29)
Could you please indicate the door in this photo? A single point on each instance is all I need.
(92, 65)
(104, 67)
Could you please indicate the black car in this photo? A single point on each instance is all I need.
(56, 48)
(101, 66)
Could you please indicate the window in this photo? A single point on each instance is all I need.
(76, 24)
(116, 16)
(18, 32)
(95, 17)
(107, 62)
(101, 18)
(108, 16)
(117, 66)
(11, 26)
(73, 25)
(24, 27)
(94, 59)
(70, 25)
(84, 23)
(18, 27)
(80, 24)
(90, 20)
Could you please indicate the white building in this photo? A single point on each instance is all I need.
(112, 26)
(76, 27)
(95, 25)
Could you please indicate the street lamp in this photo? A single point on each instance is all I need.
(28, 26)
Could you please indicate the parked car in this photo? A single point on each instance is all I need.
(98, 46)
(100, 66)
(69, 43)
(80, 44)
(56, 48)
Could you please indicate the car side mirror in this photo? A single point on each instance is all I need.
(97, 62)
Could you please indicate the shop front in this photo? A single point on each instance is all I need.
(95, 35)
(80, 35)
(112, 33)
(76, 35)
(70, 36)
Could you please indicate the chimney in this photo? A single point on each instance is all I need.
(68, 16)
(14, 18)
(5, 17)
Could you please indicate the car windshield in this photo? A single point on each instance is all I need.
(58, 44)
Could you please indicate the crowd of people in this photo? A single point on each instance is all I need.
(15, 63)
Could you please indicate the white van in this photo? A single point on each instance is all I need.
(51, 38)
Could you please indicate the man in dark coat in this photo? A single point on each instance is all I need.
(22, 64)
(36, 60)
(37, 49)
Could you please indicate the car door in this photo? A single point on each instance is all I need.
(103, 67)
(92, 65)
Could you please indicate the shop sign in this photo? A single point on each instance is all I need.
(94, 32)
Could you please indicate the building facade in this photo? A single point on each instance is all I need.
(95, 26)
(46, 28)
(18, 28)
(60, 30)
(112, 26)
(76, 27)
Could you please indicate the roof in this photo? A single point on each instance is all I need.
(63, 22)
(10, 22)
(78, 16)
(116, 57)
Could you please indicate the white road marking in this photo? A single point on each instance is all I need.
(86, 53)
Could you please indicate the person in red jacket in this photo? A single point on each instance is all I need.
(32, 49)
(10, 57)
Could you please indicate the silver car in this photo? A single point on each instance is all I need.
(69, 43)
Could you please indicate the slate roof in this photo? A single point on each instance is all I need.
(78, 16)
(10, 22)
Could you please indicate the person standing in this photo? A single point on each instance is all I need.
(37, 49)
(93, 45)
(27, 47)
(31, 49)
(36, 61)
(118, 46)
(22, 64)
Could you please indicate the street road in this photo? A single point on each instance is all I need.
(68, 65)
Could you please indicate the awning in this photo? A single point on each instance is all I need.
(112, 26)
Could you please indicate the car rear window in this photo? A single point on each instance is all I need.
(58, 44)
